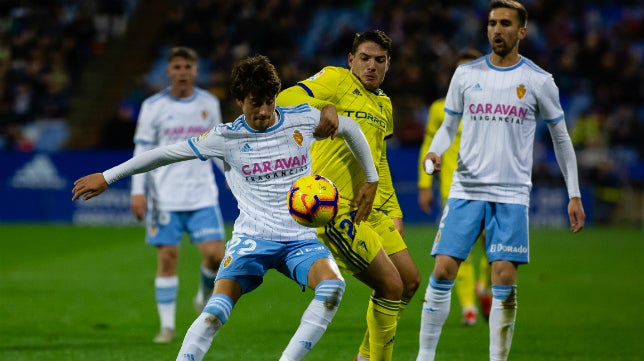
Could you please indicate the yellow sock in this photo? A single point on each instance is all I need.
(364, 346)
(382, 320)
(403, 305)
(465, 284)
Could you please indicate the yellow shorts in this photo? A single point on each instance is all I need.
(355, 246)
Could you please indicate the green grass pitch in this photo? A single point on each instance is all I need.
(86, 293)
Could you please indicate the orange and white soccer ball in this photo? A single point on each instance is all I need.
(312, 200)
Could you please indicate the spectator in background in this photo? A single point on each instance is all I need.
(119, 130)
(580, 42)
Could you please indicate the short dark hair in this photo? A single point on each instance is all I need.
(511, 4)
(183, 52)
(377, 36)
(255, 76)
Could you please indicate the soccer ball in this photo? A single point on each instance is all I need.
(312, 201)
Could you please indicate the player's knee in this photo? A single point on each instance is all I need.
(212, 251)
(504, 273)
(410, 285)
(391, 288)
(330, 292)
(442, 273)
(445, 268)
(212, 262)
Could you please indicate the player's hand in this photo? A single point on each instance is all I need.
(576, 214)
(138, 206)
(89, 186)
(426, 199)
(364, 201)
(328, 126)
(435, 159)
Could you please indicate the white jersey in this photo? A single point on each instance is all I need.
(165, 120)
(499, 108)
(259, 165)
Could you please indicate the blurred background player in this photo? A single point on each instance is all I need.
(181, 197)
(498, 99)
(374, 252)
(264, 236)
(467, 288)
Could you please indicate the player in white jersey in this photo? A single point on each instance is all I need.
(499, 98)
(264, 151)
(181, 197)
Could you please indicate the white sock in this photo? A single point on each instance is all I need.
(199, 337)
(166, 296)
(206, 284)
(315, 319)
(203, 330)
(436, 307)
(502, 317)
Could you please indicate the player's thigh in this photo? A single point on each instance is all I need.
(506, 232)
(354, 246)
(247, 260)
(407, 270)
(303, 257)
(396, 248)
(383, 277)
(460, 225)
(228, 287)
(321, 270)
(383, 225)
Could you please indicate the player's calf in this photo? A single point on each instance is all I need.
(203, 330)
(315, 319)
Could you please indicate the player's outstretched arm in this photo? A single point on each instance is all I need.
(94, 184)
(576, 214)
(89, 186)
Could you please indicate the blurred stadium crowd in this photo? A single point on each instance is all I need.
(595, 51)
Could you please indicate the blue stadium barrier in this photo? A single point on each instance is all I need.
(36, 187)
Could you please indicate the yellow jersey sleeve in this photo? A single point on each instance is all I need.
(297, 95)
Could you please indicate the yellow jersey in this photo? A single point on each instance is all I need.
(371, 110)
(449, 159)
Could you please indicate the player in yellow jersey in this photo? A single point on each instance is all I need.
(372, 251)
(467, 289)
